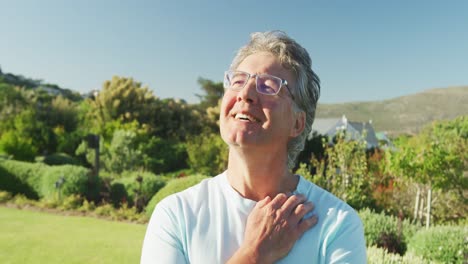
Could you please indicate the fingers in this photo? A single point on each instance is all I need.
(292, 202)
(302, 209)
(306, 224)
(278, 201)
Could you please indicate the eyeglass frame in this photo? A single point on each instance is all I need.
(283, 82)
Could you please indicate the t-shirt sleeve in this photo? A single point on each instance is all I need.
(162, 243)
(345, 242)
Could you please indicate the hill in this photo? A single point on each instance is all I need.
(406, 114)
(28, 83)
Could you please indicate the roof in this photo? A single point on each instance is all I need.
(355, 130)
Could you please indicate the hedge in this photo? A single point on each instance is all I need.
(36, 180)
(383, 231)
(447, 244)
(173, 186)
(150, 185)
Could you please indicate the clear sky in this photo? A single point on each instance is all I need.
(361, 50)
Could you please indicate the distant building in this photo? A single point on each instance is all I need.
(354, 130)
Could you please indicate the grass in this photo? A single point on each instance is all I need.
(37, 237)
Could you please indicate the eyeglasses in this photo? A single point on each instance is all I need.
(265, 83)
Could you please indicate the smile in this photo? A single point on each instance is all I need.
(245, 117)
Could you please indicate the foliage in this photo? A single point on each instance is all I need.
(121, 99)
(20, 178)
(213, 93)
(207, 154)
(447, 244)
(39, 180)
(123, 154)
(173, 186)
(59, 159)
(376, 225)
(435, 159)
(118, 194)
(343, 171)
(5, 196)
(141, 186)
(382, 256)
(17, 146)
(160, 155)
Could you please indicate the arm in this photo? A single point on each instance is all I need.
(161, 243)
(272, 229)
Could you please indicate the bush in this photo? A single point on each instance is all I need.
(16, 185)
(382, 230)
(150, 185)
(20, 177)
(448, 244)
(5, 196)
(172, 187)
(379, 255)
(207, 154)
(19, 148)
(72, 202)
(60, 159)
(36, 180)
(75, 180)
(118, 194)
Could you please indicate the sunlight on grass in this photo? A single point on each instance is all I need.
(36, 237)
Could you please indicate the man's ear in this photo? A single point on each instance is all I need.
(299, 124)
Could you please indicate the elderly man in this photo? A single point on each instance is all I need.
(258, 211)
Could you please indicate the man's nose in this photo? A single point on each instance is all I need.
(249, 92)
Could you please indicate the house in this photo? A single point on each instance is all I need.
(354, 130)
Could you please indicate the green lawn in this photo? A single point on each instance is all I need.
(37, 237)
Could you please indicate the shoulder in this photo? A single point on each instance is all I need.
(192, 196)
(332, 210)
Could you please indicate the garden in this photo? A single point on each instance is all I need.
(80, 177)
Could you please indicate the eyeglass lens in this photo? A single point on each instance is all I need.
(266, 84)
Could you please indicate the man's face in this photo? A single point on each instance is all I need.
(251, 119)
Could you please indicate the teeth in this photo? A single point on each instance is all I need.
(244, 117)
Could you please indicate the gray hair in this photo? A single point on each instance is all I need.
(295, 58)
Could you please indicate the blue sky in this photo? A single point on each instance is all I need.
(361, 50)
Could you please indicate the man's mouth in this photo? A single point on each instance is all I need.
(245, 117)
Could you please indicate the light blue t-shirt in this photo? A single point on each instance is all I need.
(206, 224)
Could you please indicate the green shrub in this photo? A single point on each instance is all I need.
(448, 244)
(379, 255)
(18, 147)
(72, 202)
(60, 159)
(381, 230)
(105, 210)
(118, 194)
(150, 185)
(173, 186)
(5, 196)
(22, 201)
(36, 180)
(75, 180)
(207, 154)
(11, 183)
(87, 207)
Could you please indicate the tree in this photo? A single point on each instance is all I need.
(436, 159)
(207, 154)
(213, 92)
(343, 171)
(121, 99)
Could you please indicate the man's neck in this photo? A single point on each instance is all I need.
(257, 175)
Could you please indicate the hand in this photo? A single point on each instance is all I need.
(274, 226)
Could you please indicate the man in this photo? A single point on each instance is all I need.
(257, 211)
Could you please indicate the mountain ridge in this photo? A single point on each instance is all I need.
(403, 114)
